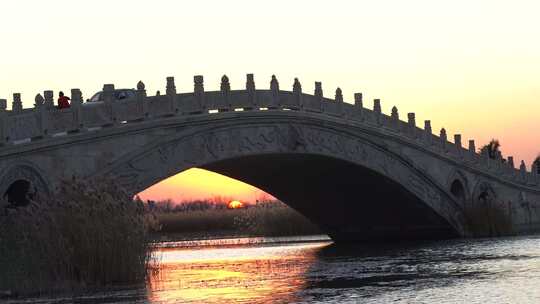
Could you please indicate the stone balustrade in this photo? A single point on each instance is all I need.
(19, 126)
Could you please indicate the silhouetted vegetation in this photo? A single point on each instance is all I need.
(488, 220)
(274, 219)
(87, 235)
(168, 205)
(492, 149)
(211, 218)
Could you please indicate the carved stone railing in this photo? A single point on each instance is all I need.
(20, 125)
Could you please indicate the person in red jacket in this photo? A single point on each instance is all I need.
(63, 101)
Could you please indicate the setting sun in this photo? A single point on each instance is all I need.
(198, 183)
(235, 205)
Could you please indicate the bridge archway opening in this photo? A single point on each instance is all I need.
(348, 201)
(458, 191)
(19, 193)
(200, 200)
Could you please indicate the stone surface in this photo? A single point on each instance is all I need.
(358, 175)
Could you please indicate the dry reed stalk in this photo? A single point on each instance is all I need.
(274, 219)
(87, 235)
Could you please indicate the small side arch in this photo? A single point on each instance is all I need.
(22, 183)
(458, 191)
(458, 187)
(489, 216)
(484, 195)
(19, 193)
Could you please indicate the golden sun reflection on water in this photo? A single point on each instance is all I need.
(240, 275)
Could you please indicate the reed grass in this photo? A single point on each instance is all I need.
(488, 220)
(87, 235)
(268, 220)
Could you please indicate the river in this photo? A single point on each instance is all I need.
(314, 270)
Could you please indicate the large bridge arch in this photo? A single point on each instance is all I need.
(233, 149)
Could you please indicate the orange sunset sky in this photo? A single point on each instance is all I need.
(472, 67)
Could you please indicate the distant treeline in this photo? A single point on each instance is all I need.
(214, 203)
(212, 218)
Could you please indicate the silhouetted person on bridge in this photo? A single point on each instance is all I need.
(63, 101)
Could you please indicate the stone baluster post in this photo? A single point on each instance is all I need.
(472, 147)
(198, 91)
(443, 139)
(339, 102)
(108, 93)
(170, 90)
(274, 88)
(297, 93)
(358, 100)
(319, 95)
(318, 89)
(141, 99)
(411, 119)
(76, 106)
(359, 104)
(377, 106)
(511, 166)
(339, 95)
(251, 92)
(534, 172)
(377, 110)
(41, 108)
(395, 118)
(523, 171)
(45, 116)
(428, 133)
(3, 122)
(39, 102)
(225, 93)
(395, 113)
(171, 87)
(457, 143)
(17, 106)
(49, 99)
(511, 162)
(523, 168)
(108, 100)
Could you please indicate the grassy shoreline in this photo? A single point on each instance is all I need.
(87, 236)
(268, 220)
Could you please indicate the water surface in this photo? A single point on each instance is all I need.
(302, 270)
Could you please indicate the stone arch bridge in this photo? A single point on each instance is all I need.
(356, 172)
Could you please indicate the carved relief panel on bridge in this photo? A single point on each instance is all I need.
(23, 126)
(198, 149)
(60, 121)
(37, 186)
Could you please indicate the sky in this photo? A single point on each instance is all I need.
(472, 67)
